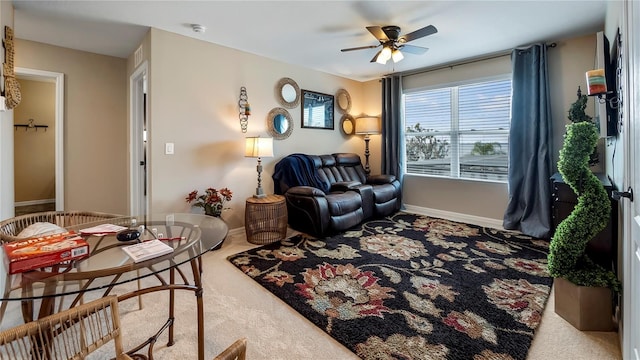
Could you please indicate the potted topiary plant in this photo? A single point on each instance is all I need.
(577, 114)
(577, 276)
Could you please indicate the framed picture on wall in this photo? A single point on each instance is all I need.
(317, 110)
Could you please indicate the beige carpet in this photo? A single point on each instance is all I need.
(236, 306)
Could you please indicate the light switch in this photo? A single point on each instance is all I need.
(168, 149)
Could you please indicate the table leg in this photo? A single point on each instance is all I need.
(27, 305)
(198, 284)
(172, 280)
(48, 305)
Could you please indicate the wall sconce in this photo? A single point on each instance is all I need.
(597, 86)
(258, 147)
(245, 109)
(367, 125)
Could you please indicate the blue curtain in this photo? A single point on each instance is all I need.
(530, 144)
(392, 131)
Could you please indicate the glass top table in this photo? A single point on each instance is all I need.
(108, 266)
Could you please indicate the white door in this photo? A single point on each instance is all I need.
(631, 289)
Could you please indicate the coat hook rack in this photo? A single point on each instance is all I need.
(30, 125)
(245, 109)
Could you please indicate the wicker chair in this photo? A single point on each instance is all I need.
(11, 227)
(70, 334)
(235, 351)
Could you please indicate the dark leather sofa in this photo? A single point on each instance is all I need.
(326, 194)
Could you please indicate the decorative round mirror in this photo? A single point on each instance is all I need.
(348, 124)
(343, 100)
(279, 123)
(288, 93)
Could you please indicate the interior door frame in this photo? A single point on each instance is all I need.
(58, 78)
(631, 126)
(138, 201)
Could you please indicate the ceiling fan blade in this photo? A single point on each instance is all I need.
(376, 56)
(411, 49)
(378, 33)
(360, 48)
(425, 31)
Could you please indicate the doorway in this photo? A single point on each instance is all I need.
(139, 138)
(58, 114)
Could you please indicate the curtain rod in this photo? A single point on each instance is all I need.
(464, 62)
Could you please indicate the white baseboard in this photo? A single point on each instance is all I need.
(465, 218)
(236, 231)
(35, 202)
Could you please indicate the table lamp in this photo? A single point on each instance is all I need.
(258, 147)
(367, 125)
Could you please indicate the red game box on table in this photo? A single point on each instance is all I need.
(42, 251)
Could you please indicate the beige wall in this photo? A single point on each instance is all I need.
(194, 88)
(95, 120)
(372, 95)
(34, 148)
(193, 103)
(568, 63)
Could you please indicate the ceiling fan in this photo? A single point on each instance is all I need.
(391, 42)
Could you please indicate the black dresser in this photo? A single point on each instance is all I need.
(603, 247)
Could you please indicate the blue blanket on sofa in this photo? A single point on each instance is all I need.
(296, 170)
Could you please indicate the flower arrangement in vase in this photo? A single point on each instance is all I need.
(212, 201)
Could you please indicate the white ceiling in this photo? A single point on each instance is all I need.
(311, 33)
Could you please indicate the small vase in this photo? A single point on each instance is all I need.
(214, 211)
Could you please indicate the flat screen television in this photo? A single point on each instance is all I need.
(607, 111)
(613, 72)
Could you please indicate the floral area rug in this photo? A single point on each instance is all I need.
(412, 287)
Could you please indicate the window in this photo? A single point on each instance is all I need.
(459, 131)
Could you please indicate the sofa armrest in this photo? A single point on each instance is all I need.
(345, 185)
(305, 191)
(366, 194)
(381, 179)
(308, 210)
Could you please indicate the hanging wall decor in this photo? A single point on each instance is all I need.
(30, 125)
(11, 85)
(245, 109)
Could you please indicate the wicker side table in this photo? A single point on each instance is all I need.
(265, 219)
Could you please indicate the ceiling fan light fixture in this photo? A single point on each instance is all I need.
(392, 43)
(384, 55)
(396, 55)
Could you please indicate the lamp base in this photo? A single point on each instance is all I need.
(259, 193)
(367, 170)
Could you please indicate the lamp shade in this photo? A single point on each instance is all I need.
(367, 125)
(258, 147)
(396, 55)
(384, 55)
